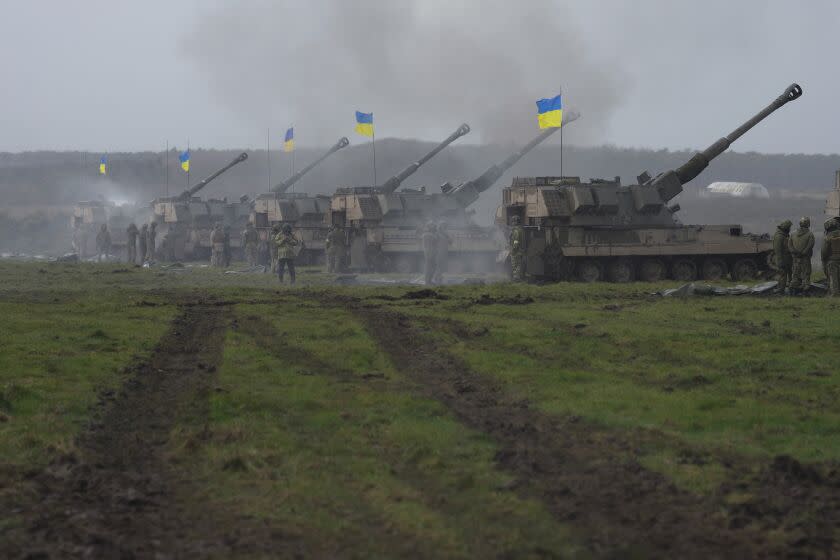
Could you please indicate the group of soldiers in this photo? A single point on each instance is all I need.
(793, 251)
(281, 249)
(436, 242)
(139, 242)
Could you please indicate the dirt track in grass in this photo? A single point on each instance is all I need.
(117, 496)
(590, 477)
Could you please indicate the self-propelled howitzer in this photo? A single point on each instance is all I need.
(602, 229)
(281, 188)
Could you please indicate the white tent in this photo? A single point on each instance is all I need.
(737, 190)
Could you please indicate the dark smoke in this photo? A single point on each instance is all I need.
(422, 66)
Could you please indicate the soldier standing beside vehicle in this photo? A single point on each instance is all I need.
(781, 255)
(830, 254)
(287, 247)
(150, 242)
(103, 243)
(250, 240)
(430, 241)
(517, 250)
(801, 245)
(444, 241)
(144, 235)
(226, 253)
(335, 248)
(217, 244)
(131, 233)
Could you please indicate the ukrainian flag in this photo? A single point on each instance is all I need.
(103, 165)
(550, 112)
(184, 158)
(289, 142)
(364, 123)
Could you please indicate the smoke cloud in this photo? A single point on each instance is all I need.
(422, 66)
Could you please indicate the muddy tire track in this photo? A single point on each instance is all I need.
(586, 476)
(116, 496)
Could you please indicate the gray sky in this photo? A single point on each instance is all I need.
(104, 75)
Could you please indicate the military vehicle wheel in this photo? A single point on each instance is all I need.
(714, 269)
(621, 271)
(589, 271)
(652, 270)
(684, 270)
(744, 269)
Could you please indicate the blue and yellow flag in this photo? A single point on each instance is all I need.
(550, 112)
(289, 142)
(364, 123)
(184, 158)
(103, 165)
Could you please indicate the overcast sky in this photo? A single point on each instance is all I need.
(116, 76)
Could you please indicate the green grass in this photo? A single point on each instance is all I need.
(372, 470)
(55, 358)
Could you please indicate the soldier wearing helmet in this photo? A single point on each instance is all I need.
(830, 254)
(801, 245)
(517, 250)
(103, 243)
(288, 246)
(781, 255)
(430, 240)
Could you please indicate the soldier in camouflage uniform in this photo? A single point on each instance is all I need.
(517, 250)
(830, 254)
(781, 255)
(217, 242)
(335, 248)
(144, 235)
(150, 242)
(103, 243)
(801, 245)
(250, 240)
(287, 248)
(430, 241)
(131, 233)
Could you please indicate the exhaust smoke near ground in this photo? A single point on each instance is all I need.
(420, 66)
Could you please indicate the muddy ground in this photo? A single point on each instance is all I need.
(118, 495)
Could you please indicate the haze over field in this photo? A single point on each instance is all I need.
(652, 73)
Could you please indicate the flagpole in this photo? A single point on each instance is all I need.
(268, 155)
(373, 145)
(166, 168)
(190, 165)
(561, 149)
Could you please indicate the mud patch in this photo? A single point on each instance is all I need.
(516, 299)
(115, 496)
(587, 476)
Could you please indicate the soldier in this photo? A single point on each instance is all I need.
(335, 248)
(103, 243)
(830, 254)
(429, 240)
(250, 239)
(144, 235)
(781, 253)
(131, 233)
(217, 243)
(801, 245)
(275, 231)
(226, 253)
(150, 242)
(517, 250)
(444, 241)
(287, 248)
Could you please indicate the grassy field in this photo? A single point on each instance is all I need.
(316, 428)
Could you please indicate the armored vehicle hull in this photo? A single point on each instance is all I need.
(603, 230)
(305, 213)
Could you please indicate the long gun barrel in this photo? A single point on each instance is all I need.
(187, 194)
(394, 182)
(467, 193)
(280, 188)
(670, 183)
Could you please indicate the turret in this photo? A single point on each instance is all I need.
(467, 193)
(394, 182)
(284, 186)
(187, 194)
(670, 183)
